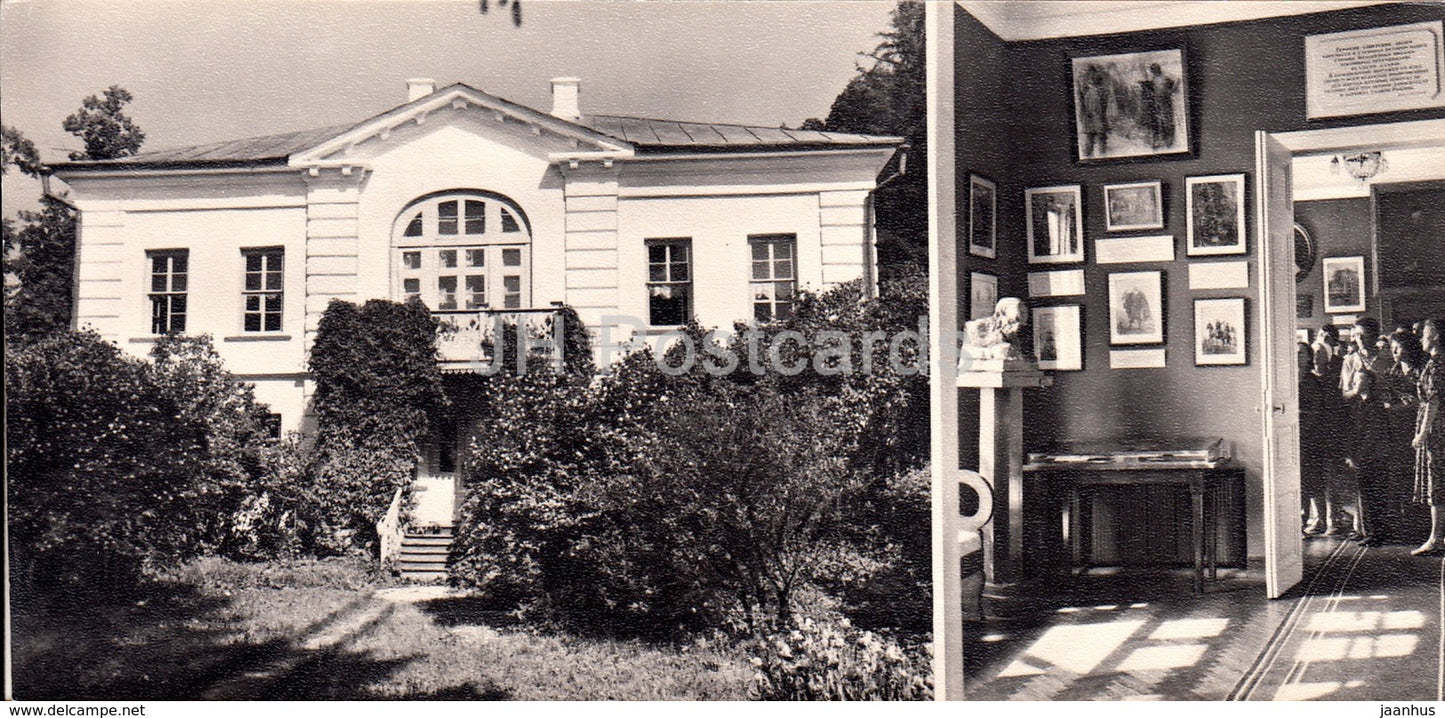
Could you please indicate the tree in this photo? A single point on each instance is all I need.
(889, 97)
(485, 6)
(40, 251)
(108, 133)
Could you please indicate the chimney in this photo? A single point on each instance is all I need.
(419, 87)
(565, 98)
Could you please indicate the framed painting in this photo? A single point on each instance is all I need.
(1132, 105)
(1133, 205)
(982, 216)
(1215, 211)
(982, 294)
(1054, 224)
(1344, 284)
(1058, 340)
(1136, 308)
(1219, 332)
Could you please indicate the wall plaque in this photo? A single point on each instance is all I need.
(1383, 69)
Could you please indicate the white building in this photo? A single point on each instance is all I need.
(476, 205)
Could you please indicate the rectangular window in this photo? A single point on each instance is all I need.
(511, 292)
(476, 217)
(476, 291)
(669, 281)
(168, 290)
(262, 292)
(774, 276)
(446, 292)
(447, 217)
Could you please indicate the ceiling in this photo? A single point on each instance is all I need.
(1039, 19)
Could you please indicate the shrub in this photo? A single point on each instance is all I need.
(819, 662)
(115, 463)
(377, 383)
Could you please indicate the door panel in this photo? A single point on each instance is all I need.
(1283, 547)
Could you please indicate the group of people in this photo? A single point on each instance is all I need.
(1371, 440)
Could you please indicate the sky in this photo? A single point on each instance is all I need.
(205, 71)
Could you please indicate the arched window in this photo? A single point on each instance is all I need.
(463, 250)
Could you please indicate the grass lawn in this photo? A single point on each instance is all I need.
(318, 630)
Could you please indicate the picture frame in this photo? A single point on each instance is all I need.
(1215, 214)
(1058, 339)
(1220, 332)
(982, 216)
(982, 294)
(1344, 284)
(1131, 105)
(1130, 206)
(1303, 336)
(1054, 224)
(1136, 308)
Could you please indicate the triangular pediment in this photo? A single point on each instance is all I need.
(458, 98)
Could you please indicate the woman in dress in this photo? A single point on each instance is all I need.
(1397, 397)
(1429, 439)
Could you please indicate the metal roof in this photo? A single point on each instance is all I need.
(647, 135)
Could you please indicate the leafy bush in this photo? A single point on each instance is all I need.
(377, 383)
(116, 463)
(819, 662)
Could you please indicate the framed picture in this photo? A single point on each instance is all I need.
(1133, 205)
(1215, 209)
(1130, 105)
(1136, 308)
(1304, 306)
(982, 294)
(1055, 224)
(1057, 338)
(1219, 332)
(1344, 284)
(982, 216)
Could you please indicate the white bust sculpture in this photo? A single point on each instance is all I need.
(997, 337)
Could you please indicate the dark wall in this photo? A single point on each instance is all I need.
(1340, 228)
(1242, 77)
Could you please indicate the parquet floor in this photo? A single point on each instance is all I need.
(1364, 625)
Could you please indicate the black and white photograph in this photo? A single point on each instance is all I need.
(1219, 332)
(982, 294)
(1054, 224)
(451, 351)
(1058, 339)
(1136, 308)
(1215, 215)
(1131, 105)
(982, 216)
(1133, 205)
(1344, 284)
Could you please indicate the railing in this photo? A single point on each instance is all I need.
(388, 529)
(469, 340)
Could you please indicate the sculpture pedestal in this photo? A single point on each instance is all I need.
(1001, 461)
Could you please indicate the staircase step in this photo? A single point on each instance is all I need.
(414, 565)
(424, 549)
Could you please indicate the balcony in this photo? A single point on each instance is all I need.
(469, 340)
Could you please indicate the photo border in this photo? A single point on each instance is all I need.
(1156, 223)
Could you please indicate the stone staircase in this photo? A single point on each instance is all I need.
(423, 555)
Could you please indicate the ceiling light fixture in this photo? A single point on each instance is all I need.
(1362, 166)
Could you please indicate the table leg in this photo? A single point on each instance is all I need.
(1196, 495)
(1076, 525)
(1215, 499)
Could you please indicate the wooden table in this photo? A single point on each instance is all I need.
(1204, 480)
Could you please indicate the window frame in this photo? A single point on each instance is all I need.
(773, 280)
(279, 253)
(669, 244)
(482, 229)
(170, 293)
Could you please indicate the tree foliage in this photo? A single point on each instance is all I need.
(888, 96)
(18, 150)
(102, 124)
(377, 383)
(115, 463)
(40, 259)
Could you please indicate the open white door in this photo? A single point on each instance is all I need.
(1274, 220)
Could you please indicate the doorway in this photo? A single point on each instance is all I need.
(1275, 236)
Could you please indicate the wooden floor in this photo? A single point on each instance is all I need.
(1364, 625)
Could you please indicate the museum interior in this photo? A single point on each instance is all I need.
(1184, 195)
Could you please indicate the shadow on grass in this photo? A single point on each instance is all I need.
(470, 611)
(179, 643)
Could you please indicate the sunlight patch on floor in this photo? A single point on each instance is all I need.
(1338, 648)
(1361, 621)
(1077, 649)
(1159, 658)
(1189, 628)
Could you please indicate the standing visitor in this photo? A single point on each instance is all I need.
(1429, 439)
